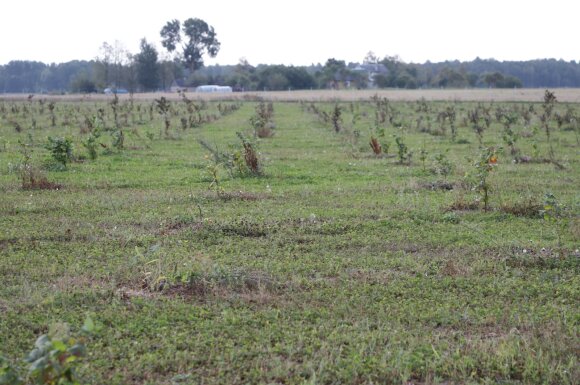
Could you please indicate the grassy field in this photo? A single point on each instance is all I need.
(325, 264)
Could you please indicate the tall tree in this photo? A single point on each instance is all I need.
(333, 72)
(109, 64)
(130, 74)
(147, 66)
(196, 38)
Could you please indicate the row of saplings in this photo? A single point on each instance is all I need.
(486, 161)
(240, 161)
(478, 118)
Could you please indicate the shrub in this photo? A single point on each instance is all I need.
(484, 165)
(262, 120)
(91, 144)
(442, 165)
(376, 146)
(250, 156)
(403, 151)
(163, 108)
(336, 118)
(30, 176)
(60, 149)
(53, 360)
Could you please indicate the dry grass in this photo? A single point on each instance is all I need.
(483, 95)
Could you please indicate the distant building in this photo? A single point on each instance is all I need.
(371, 69)
(214, 88)
(111, 91)
(178, 85)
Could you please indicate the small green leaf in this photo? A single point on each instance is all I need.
(89, 325)
(8, 375)
(77, 350)
(59, 345)
(42, 341)
(38, 365)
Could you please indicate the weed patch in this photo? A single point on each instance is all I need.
(222, 282)
(462, 204)
(528, 209)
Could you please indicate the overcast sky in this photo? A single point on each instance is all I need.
(300, 32)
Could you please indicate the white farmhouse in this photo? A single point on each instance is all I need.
(214, 88)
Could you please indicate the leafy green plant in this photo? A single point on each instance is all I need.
(118, 139)
(213, 171)
(448, 114)
(61, 149)
(510, 137)
(442, 165)
(51, 106)
(54, 359)
(576, 127)
(8, 374)
(151, 267)
(163, 108)
(115, 107)
(336, 118)
(403, 152)
(423, 155)
(16, 125)
(451, 117)
(193, 110)
(548, 107)
(262, 120)
(232, 162)
(555, 212)
(378, 132)
(477, 123)
(31, 177)
(239, 162)
(91, 144)
(536, 149)
(376, 146)
(250, 156)
(484, 165)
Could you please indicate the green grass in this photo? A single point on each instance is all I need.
(334, 266)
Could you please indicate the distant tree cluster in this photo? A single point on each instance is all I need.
(182, 65)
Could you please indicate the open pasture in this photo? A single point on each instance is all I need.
(323, 239)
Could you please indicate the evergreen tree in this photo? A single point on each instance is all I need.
(147, 67)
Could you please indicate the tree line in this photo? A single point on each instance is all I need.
(189, 41)
(146, 72)
(186, 43)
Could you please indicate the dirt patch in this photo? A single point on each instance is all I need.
(461, 204)
(72, 282)
(237, 196)
(453, 268)
(41, 184)
(437, 185)
(244, 229)
(178, 226)
(68, 236)
(528, 209)
(252, 287)
(4, 306)
(4, 243)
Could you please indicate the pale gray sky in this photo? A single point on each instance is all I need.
(300, 32)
